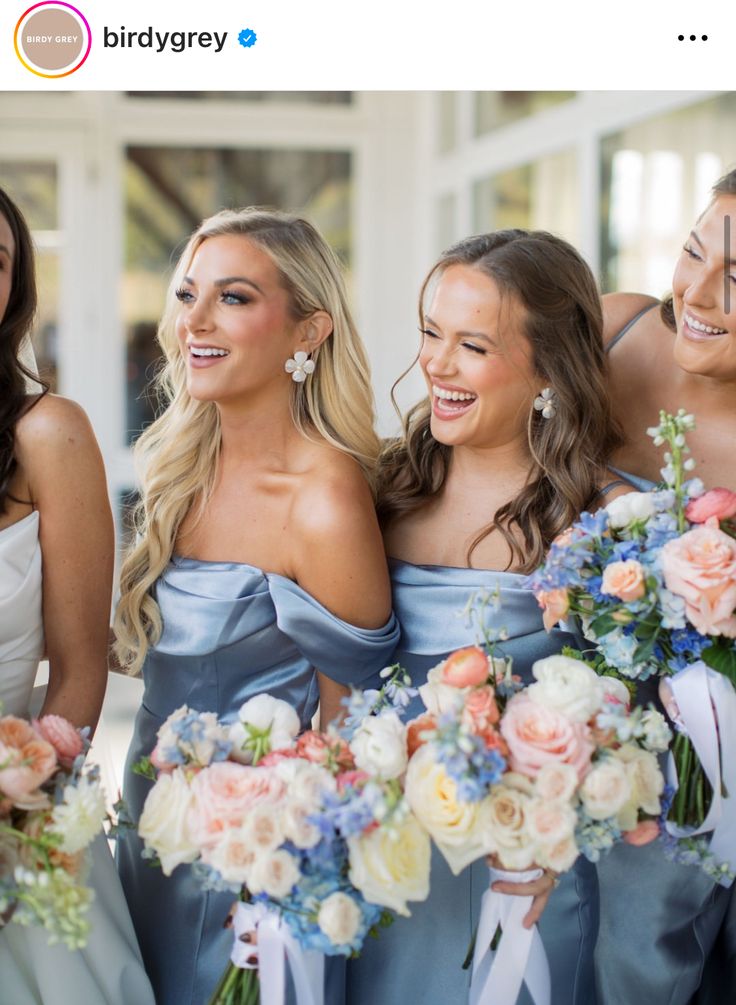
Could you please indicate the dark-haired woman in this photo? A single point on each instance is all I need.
(505, 452)
(56, 555)
(676, 354)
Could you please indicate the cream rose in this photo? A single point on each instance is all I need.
(556, 782)
(569, 686)
(559, 857)
(262, 828)
(379, 746)
(505, 817)
(390, 866)
(276, 874)
(439, 697)
(232, 856)
(550, 823)
(605, 789)
(646, 781)
(458, 828)
(165, 823)
(297, 826)
(339, 918)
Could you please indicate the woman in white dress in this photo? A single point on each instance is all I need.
(56, 559)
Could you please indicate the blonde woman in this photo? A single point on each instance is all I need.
(259, 565)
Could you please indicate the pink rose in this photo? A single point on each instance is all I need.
(555, 604)
(324, 750)
(465, 668)
(700, 566)
(351, 779)
(274, 757)
(480, 711)
(62, 736)
(718, 503)
(643, 833)
(537, 735)
(224, 792)
(624, 580)
(26, 761)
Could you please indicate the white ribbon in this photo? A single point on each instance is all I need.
(706, 704)
(520, 957)
(28, 358)
(275, 945)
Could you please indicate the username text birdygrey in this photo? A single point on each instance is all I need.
(173, 41)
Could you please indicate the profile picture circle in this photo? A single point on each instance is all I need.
(52, 39)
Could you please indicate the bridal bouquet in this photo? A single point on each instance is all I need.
(652, 579)
(311, 833)
(51, 808)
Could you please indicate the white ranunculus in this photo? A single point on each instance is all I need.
(390, 865)
(339, 918)
(605, 789)
(379, 746)
(275, 873)
(568, 686)
(79, 818)
(657, 734)
(165, 824)
(458, 828)
(268, 716)
(634, 506)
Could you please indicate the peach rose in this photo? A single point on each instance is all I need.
(465, 667)
(416, 731)
(351, 778)
(555, 604)
(700, 567)
(644, 833)
(718, 503)
(276, 757)
(325, 750)
(537, 735)
(223, 793)
(26, 760)
(63, 737)
(480, 711)
(624, 580)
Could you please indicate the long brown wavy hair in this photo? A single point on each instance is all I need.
(569, 452)
(15, 325)
(724, 186)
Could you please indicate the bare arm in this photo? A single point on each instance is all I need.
(58, 451)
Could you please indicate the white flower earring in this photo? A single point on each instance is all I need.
(546, 403)
(299, 366)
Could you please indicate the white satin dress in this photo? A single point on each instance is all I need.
(108, 971)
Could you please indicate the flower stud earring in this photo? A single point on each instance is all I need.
(545, 403)
(299, 366)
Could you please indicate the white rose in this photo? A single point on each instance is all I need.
(390, 865)
(550, 823)
(297, 827)
(605, 789)
(264, 716)
(232, 856)
(379, 746)
(276, 874)
(165, 823)
(339, 918)
(559, 857)
(305, 781)
(458, 828)
(80, 816)
(262, 828)
(568, 686)
(634, 506)
(437, 696)
(657, 734)
(646, 782)
(556, 781)
(505, 814)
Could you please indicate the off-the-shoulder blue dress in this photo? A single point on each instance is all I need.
(419, 959)
(230, 631)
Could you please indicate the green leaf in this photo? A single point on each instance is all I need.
(723, 659)
(603, 624)
(145, 768)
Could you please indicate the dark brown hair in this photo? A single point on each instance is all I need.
(724, 186)
(15, 324)
(569, 452)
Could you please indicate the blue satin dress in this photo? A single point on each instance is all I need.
(419, 959)
(666, 930)
(230, 632)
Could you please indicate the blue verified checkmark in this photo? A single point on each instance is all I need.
(247, 38)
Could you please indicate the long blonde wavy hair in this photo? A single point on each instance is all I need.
(177, 456)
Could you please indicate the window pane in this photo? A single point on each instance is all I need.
(494, 109)
(32, 185)
(538, 196)
(446, 121)
(169, 191)
(656, 180)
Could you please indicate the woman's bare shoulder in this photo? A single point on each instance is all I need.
(620, 308)
(53, 422)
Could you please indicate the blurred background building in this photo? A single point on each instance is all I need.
(113, 183)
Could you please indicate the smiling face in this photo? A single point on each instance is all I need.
(704, 295)
(234, 327)
(477, 362)
(7, 256)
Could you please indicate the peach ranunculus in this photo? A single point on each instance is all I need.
(326, 750)
(224, 792)
(624, 580)
(63, 737)
(555, 604)
(466, 667)
(480, 711)
(537, 735)
(700, 567)
(718, 503)
(416, 731)
(26, 759)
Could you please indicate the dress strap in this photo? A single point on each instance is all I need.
(630, 324)
(612, 485)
